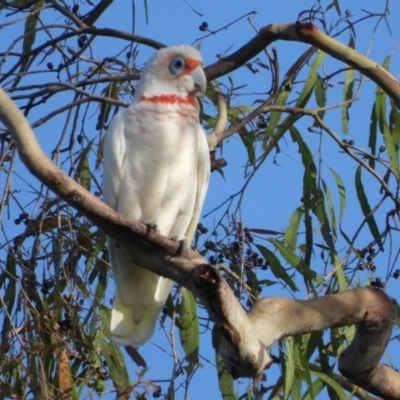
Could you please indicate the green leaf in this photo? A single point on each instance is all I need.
(373, 129)
(57, 257)
(248, 141)
(189, 326)
(314, 390)
(337, 7)
(349, 78)
(100, 244)
(105, 318)
(300, 103)
(296, 262)
(293, 228)
(275, 116)
(395, 128)
(366, 209)
(342, 193)
(146, 10)
(252, 281)
(113, 355)
(320, 95)
(97, 11)
(276, 267)
(30, 33)
(116, 365)
(391, 148)
(83, 169)
(225, 380)
(311, 81)
(111, 91)
(86, 175)
(171, 391)
(332, 383)
(288, 368)
(101, 286)
(330, 209)
(386, 62)
(10, 295)
(314, 201)
(302, 356)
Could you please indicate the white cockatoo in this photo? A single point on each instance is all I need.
(156, 170)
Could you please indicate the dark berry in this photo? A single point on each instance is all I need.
(204, 26)
(209, 244)
(81, 41)
(261, 123)
(371, 250)
(204, 230)
(236, 246)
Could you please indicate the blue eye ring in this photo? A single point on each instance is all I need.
(177, 65)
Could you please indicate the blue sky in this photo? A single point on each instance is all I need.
(276, 189)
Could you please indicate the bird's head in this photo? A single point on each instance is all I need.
(173, 71)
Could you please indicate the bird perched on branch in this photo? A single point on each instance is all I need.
(156, 170)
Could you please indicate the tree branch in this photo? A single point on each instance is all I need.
(307, 33)
(247, 338)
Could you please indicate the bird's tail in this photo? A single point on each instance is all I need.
(139, 298)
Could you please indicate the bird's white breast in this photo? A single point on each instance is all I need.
(159, 169)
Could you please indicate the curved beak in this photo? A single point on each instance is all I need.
(199, 78)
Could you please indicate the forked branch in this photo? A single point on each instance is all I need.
(247, 337)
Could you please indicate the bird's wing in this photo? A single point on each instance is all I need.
(114, 151)
(203, 177)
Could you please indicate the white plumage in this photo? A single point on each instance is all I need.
(156, 170)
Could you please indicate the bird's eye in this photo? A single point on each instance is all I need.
(177, 65)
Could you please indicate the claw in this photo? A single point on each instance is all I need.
(150, 226)
(183, 245)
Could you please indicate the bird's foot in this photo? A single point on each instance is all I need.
(151, 227)
(183, 245)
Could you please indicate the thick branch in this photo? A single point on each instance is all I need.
(371, 310)
(307, 33)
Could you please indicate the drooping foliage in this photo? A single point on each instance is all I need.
(306, 206)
